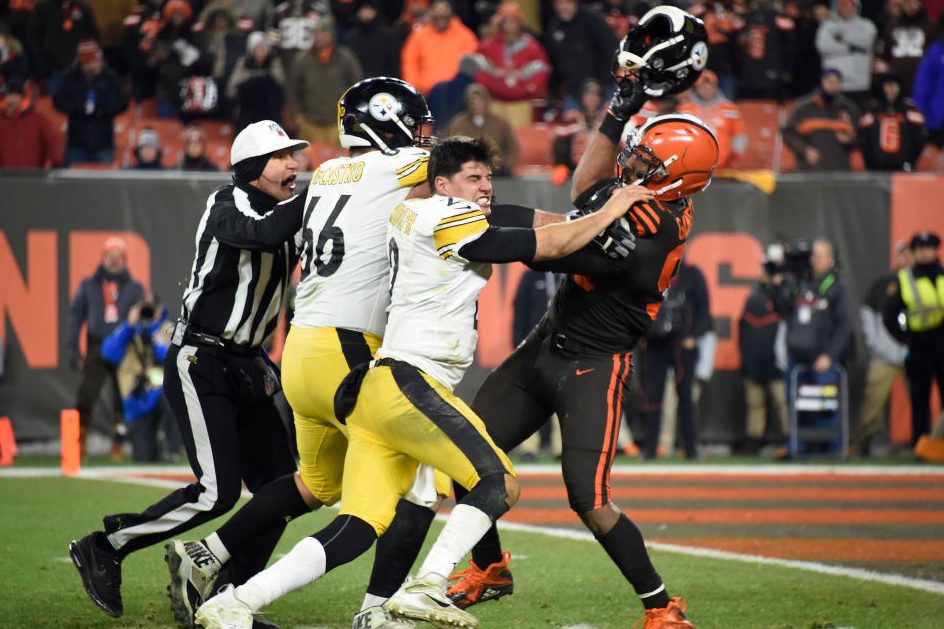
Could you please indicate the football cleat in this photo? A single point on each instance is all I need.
(193, 571)
(474, 585)
(100, 568)
(379, 617)
(669, 617)
(424, 598)
(224, 611)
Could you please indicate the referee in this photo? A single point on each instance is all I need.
(217, 377)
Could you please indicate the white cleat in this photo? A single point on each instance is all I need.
(193, 571)
(224, 611)
(380, 617)
(424, 598)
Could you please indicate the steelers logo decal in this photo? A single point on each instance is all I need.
(382, 106)
(699, 56)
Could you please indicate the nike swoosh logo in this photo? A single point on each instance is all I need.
(438, 602)
(581, 372)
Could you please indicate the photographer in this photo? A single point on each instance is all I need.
(137, 348)
(813, 301)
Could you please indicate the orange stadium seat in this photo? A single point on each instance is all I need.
(319, 152)
(536, 145)
(217, 151)
(931, 160)
(762, 119)
(216, 129)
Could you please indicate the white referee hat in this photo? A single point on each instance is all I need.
(262, 138)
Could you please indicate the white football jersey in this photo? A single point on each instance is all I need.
(434, 291)
(344, 256)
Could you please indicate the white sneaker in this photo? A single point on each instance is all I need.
(424, 598)
(380, 617)
(193, 571)
(224, 611)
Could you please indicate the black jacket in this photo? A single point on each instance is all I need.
(818, 316)
(88, 306)
(578, 50)
(892, 135)
(91, 102)
(757, 336)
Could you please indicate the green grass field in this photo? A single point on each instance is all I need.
(560, 583)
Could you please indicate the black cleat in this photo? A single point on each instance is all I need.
(100, 569)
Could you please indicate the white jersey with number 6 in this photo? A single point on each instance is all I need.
(344, 257)
(434, 306)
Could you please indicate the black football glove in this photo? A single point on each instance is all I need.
(617, 240)
(628, 100)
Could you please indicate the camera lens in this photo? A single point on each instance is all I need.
(147, 312)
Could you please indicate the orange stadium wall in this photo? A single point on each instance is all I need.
(52, 227)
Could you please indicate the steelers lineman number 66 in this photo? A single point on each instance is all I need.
(330, 232)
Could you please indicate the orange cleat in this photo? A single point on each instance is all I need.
(671, 617)
(474, 585)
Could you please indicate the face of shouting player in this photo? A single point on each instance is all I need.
(473, 182)
(278, 178)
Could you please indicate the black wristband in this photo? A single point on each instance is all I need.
(612, 128)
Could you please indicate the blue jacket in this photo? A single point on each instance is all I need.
(139, 396)
(928, 91)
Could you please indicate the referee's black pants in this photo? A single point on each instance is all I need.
(228, 441)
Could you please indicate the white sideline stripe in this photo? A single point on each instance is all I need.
(856, 573)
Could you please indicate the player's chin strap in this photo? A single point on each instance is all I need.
(380, 143)
(665, 166)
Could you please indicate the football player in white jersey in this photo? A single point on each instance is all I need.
(401, 410)
(339, 319)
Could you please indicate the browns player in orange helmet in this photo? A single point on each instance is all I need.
(577, 361)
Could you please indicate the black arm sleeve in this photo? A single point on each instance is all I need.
(501, 244)
(509, 215)
(266, 233)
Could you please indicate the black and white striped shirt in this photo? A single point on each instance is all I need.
(246, 248)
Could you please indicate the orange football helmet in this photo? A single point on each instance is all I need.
(673, 155)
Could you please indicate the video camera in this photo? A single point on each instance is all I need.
(789, 258)
(150, 310)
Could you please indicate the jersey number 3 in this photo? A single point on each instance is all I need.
(330, 231)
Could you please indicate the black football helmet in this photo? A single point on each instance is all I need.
(385, 113)
(665, 53)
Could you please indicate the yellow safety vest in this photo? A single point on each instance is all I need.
(924, 300)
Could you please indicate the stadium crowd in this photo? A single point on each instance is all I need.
(83, 80)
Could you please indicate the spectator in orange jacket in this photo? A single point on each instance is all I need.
(708, 103)
(431, 53)
(27, 137)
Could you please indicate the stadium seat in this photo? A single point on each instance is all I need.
(216, 129)
(319, 152)
(146, 108)
(535, 142)
(762, 119)
(931, 160)
(217, 151)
